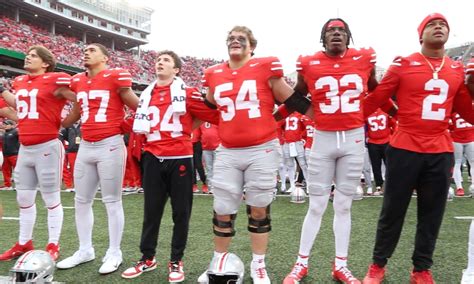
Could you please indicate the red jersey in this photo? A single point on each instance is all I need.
(209, 136)
(293, 128)
(308, 136)
(245, 101)
(461, 131)
(379, 127)
(337, 86)
(39, 111)
(170, 133)
(102, 109)
(196, 135)
(425, 103)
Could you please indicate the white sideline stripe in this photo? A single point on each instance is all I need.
(68, 207)
(464, 217)
(97, 198)
(10, 218)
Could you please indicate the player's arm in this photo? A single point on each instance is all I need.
(372, 82)
(380, 97)
(73, 116)
(292, 99)
(7, 96)
(129, 98)
(9, 113)
(65, 93)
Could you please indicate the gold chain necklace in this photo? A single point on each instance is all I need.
(435, 70)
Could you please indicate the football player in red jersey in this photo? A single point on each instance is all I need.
(39, 97)
(337, 79)
(293, 147)
(101, 95)
(379, 129)
(244, 90)
(462, 133)
(167, 161)
(427, 86)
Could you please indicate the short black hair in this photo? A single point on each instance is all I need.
(346, 27)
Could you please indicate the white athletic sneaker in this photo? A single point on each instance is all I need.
(359, 195)
(369, 190)
(203, 278)
(450, 194)
(111, 261)
(258, 273)
(77, 258)
(467, 277)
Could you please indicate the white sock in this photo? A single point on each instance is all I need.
(258, 260)
(340, 261)
(312, 222)
(84, 224)
(342, 223)
(470, 250)
(303, 259)
(27, 223)
(55, 223)
(116, 220)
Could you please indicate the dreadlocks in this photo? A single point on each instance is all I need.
(346, 28)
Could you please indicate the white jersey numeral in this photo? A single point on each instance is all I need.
(442, 88)
(341, 102)
(461, 123)
(291, 123)
(84, 98)
(171, 122)
(22, 107)
(252, 104)
(377, 122)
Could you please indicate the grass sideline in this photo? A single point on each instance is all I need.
(450, 256)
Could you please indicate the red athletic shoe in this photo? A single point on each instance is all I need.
(176, 272)
(344, 275)
(298, 272)
(421, 277)
(195, 188)
(205, 189)
(375, 274)
(53, 250)
(16, 250)
(460, 192)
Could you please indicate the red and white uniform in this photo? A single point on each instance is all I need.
(170, 133)
(39, 111)
(245, 101)
(293, 128)
(337, 86)
(461, 131)
(250, 153)
(309, 133)
(379, 127)
(425, 103)
(209, 136)
(102, 109)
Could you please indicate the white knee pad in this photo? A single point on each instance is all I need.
(25, 198)
(51, 199)
(225, 202)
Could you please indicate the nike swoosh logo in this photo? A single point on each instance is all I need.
(454, 66)
(268, 151)
(106, 75)
(47, 154)
(46, 77)
(113, 149)
(254, 64)
(358, 141)
(357, 57)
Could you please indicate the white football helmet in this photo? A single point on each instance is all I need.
(298, 195)
(35, 266)
(226, 269)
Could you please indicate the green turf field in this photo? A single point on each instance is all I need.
(450, 257)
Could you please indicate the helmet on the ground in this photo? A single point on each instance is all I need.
(298, 195)
(226, 269)
(35, 266)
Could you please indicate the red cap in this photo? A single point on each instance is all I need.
(429, 18)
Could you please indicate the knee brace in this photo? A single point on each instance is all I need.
(259, 226)
(224, 225)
